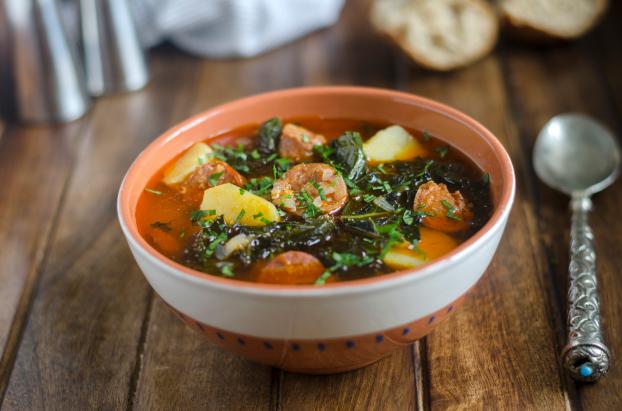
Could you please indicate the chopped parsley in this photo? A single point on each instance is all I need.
(450, 210)
(310, 210)
(408, 217)
(280, 166)
(239, 217)
(214, 178)
(341, 262)
(261, 218)
(392, 237)
(260, 186)
(319, 189)
(201, 214)
(321, 280)
(226, 268)
(324, 152)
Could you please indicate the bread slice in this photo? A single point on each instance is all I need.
(438, 34)
(550, 19)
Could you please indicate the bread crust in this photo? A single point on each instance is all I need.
(519, 28)
(398, 38)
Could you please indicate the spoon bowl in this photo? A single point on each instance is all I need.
(576, 155)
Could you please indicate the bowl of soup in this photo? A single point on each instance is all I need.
(317, 229)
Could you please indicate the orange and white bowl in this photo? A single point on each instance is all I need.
(339, 326)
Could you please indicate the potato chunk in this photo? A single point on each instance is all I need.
(234, 203)
(393, 144)
(195, 156)
(432, 244)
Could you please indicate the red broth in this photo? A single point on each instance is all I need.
(164, 213)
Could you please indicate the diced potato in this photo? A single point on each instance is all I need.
(229, 200)
(189, 161)
(393, 144)
(432, 244)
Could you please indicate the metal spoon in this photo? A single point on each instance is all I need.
(578, 156)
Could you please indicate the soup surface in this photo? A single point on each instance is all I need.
(313, 201)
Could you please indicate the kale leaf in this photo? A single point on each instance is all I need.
(348, 155)
(269, 134)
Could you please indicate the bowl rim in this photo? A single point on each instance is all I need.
(496, 221)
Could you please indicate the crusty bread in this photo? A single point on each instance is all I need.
(438, 34)
(543, 20)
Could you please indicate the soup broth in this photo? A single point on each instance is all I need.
(313, 201)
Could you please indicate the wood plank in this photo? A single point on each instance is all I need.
(182, 371)
(388, 385)
(34, 167)
(80, 345)
(571, 79)
(499, 350)
(351, 53)
(204, 376)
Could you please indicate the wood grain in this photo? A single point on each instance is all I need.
(517, 367)
(171, 349)
(35, 164)
(556, 87)
(80, 344)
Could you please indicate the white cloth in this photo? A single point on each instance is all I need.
(230, 28)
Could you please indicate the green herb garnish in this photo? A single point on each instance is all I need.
(239, 217)
(310, 210)
(319, 189)
(450, 210)
(408, 217)
(201, 214)
(260, 186)
(226, 268)
(213, 178)
(321, 280)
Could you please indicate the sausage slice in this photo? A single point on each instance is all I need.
(310, 189)
(297, 143)
(444, 211)
(212, 173)
(291, 267)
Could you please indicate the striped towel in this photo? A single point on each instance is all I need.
(230, 28)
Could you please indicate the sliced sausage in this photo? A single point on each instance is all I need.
(212, 173)
(310, 189)
(297, 143)
(443, 211)
(291, 267)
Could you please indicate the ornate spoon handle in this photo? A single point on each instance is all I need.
(585, 355)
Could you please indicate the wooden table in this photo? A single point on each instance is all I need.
(81, 329)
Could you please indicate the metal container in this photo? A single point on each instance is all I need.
(41, 79)
(113, 57)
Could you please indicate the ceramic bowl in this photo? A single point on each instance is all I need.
(339, 326)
